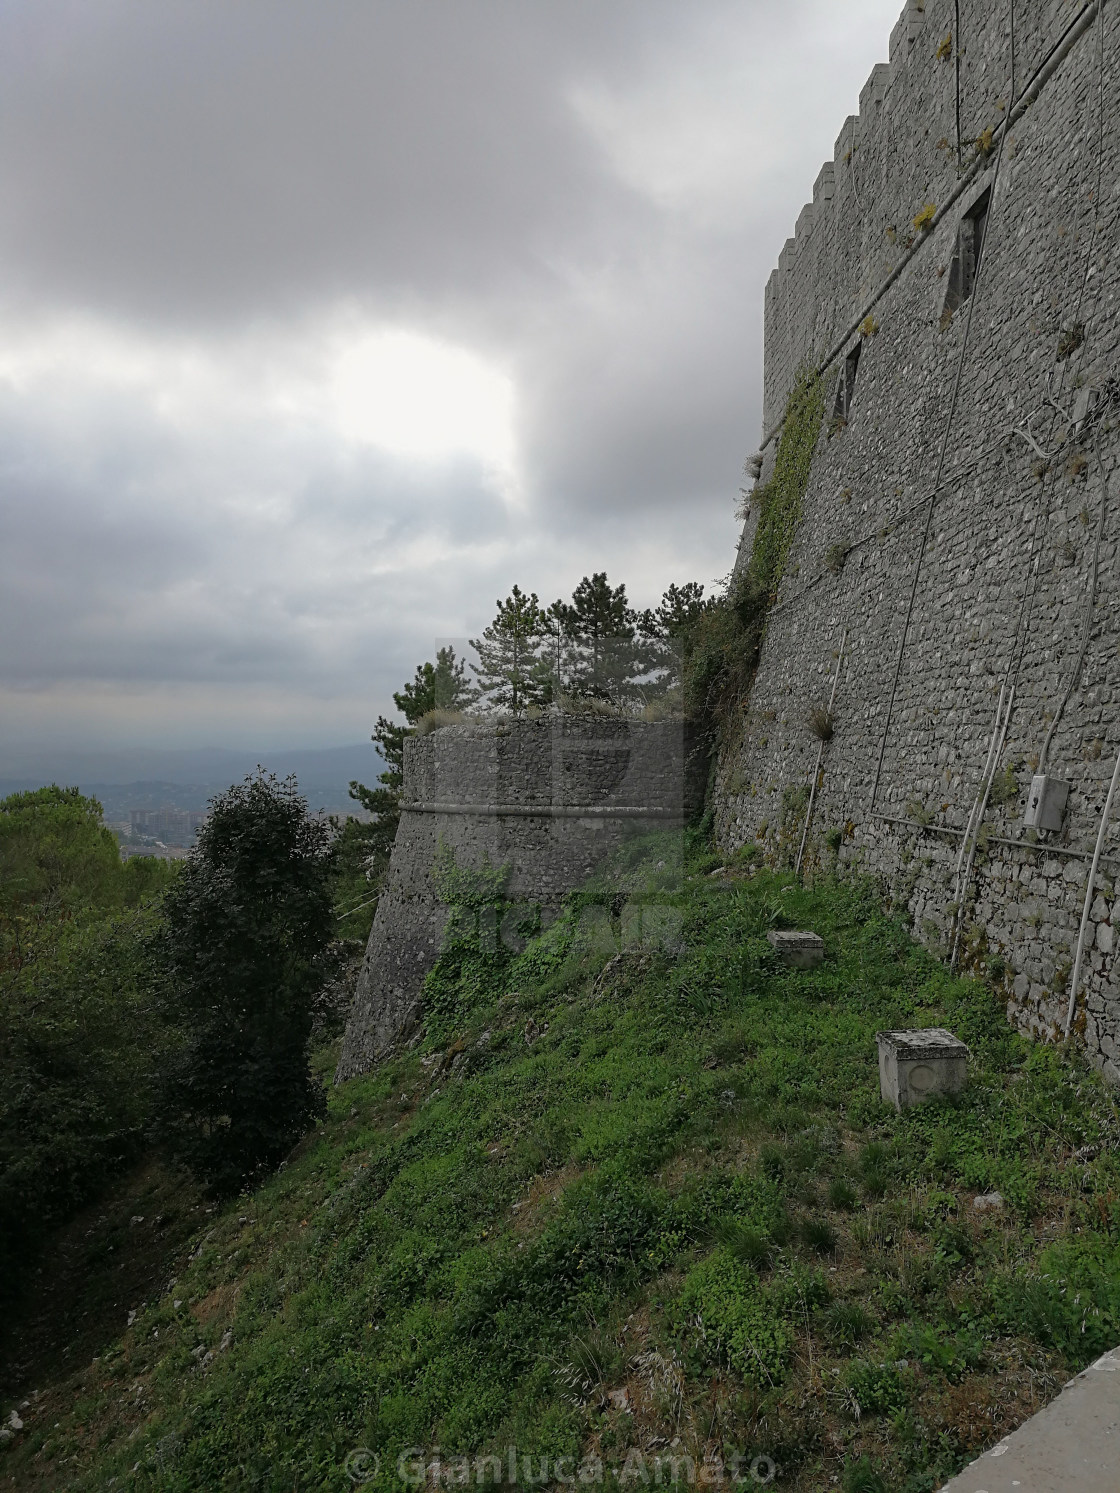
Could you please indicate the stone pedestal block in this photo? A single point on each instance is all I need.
(913, 1066)
(801, 950)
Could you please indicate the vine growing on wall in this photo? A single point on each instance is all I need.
(781, 498)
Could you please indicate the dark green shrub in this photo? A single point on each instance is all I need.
(80, 1034)
(723, 1311)
(80, 1044)
(1072, 1304)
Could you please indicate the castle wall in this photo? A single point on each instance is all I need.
(550, 798)
(951, 592)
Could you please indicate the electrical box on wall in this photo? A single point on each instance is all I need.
(1046, 803)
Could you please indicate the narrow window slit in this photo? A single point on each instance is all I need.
(970, 242)
(847, 385)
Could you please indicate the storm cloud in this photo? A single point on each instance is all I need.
(320, 326)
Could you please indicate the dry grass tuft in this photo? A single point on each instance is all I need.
(821, 723)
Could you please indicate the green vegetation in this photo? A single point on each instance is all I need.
(634, 1191)
(781, 498)
(511, 673)
(721, 641)
(242, 954)
(79, 1033)
(361, 848)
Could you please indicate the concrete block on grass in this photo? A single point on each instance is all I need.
(800, 950)
(915, 1065)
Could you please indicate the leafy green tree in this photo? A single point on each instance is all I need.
(511, 673)
(247, 926)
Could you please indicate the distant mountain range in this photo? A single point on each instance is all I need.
(149, 778)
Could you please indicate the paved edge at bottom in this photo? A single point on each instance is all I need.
(1070, 1446)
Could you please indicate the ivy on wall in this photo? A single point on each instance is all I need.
(781, 498)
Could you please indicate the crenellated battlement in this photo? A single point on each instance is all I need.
(924, 117)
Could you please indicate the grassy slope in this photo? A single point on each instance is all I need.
(684, 1186)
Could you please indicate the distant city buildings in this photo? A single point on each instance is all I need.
(167, 832)
(168, 825)
(170, 832)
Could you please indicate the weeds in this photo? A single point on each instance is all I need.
(1071, 339)
(842, 1195)
(848, 1323)
(861, 1477)
(821, 723)
(818, 1235)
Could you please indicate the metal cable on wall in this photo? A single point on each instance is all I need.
(943, 453)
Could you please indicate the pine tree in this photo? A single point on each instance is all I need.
(679, 610)
(511, 673)
(554, 642)
(603, 655)
(439, 686)
(667, 630)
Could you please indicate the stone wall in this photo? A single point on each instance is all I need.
(957, 539)
(550, 798)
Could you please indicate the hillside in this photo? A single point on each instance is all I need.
(626, 1206)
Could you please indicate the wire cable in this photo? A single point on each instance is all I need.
(980, 262)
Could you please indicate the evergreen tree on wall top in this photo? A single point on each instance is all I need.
(511, 673)
(439, 686)
(603, 655)
(247, 923)
(677, 613)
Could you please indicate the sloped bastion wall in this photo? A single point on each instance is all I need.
(952, 580)
(550, 798)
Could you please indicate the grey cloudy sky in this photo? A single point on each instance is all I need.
(321, 324)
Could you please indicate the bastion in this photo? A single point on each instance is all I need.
(549, 798)
(950, 592)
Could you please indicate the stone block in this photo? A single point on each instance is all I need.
(799, 950)
(915, 1065)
